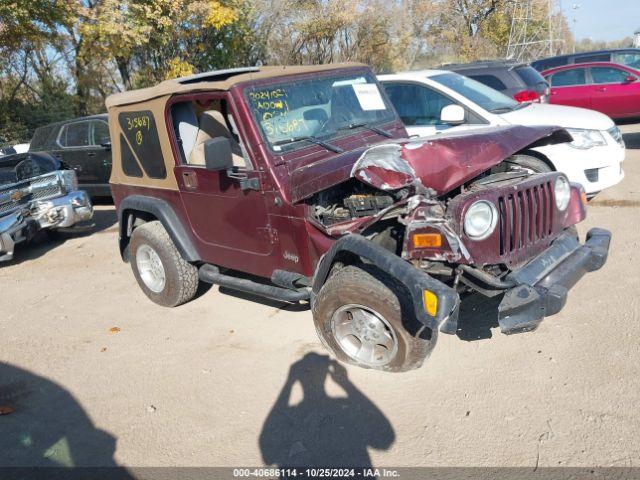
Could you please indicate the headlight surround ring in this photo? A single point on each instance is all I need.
(480, 220)
(562, 192)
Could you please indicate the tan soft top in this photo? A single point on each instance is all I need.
(216, 80)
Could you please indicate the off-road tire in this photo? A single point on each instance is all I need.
(181, 277)
(368, 286)
(529, 162)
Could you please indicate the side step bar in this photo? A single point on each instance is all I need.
(211, 274)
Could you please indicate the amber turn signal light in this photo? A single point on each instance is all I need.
(430, 302)
(583, 197)
(427, 240)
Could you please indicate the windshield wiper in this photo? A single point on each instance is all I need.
(317, 141)
(377, 130)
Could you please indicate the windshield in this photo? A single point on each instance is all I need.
(486, 97)
(319, 108)
(35, 164)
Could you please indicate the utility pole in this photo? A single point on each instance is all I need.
(575, 8)
(550, 23)
(530, 39)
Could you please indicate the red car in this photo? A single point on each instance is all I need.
(606, 87)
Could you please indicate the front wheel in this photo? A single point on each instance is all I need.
(527, 163)
(163, 275)
(364, 317)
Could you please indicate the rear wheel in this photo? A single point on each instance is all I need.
(163, 275)
(364, 317)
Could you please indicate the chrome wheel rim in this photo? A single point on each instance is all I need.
(364, 335)
(150, 268)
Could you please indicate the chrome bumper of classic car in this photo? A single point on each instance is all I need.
(55, 213)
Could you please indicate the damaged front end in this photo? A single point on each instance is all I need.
(48, 200)
(449, 208)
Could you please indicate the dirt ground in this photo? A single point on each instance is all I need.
(98, 375)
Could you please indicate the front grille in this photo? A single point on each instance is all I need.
(7, 208)
(592, 174)
(41, 188)
(526, 217)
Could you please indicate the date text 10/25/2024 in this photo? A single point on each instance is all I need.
(315, 472)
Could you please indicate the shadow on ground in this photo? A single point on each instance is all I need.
(47, 240)
(323, 431)
(42, 425)
(478, 315)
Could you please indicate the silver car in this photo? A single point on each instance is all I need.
(37, 193)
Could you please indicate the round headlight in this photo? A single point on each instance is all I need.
(480, 220)
(562, 191)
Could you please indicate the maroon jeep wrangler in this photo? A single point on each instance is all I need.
(299, 184)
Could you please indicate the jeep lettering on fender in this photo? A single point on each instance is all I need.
(299, 184)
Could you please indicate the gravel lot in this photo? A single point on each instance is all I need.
(98, 375)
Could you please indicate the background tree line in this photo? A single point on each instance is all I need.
(61, 58)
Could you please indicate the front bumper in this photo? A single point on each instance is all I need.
(55, 213)
(596, 168)
(544, 282)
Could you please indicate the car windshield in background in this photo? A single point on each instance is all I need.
(629, 59)
(486, 97)
(32, 166)
(290, 114)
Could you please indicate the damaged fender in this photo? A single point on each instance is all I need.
(413, 279)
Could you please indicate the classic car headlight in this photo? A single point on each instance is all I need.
(562, 191)
(69, 180)
(480, 220)
(585, 139)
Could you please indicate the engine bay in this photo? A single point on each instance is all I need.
(349, 201)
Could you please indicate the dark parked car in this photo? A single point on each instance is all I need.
(83, 144)
(623, 56)
(299, 184)
(606, 87)
(517, 80)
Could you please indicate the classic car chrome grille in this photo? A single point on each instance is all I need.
(526, 217)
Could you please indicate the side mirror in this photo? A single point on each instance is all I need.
(106, 143)
(217, 154)
(630, 79)
(453, 115)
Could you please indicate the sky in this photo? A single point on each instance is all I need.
(603, 20)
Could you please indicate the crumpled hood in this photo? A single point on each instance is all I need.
(441, 162)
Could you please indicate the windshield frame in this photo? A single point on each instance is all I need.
(340, 133)
(510, 103)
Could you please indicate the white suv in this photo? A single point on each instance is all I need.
(432, 101)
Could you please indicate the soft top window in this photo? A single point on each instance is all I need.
(141, 134)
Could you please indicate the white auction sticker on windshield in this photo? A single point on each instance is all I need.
(369, 96)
